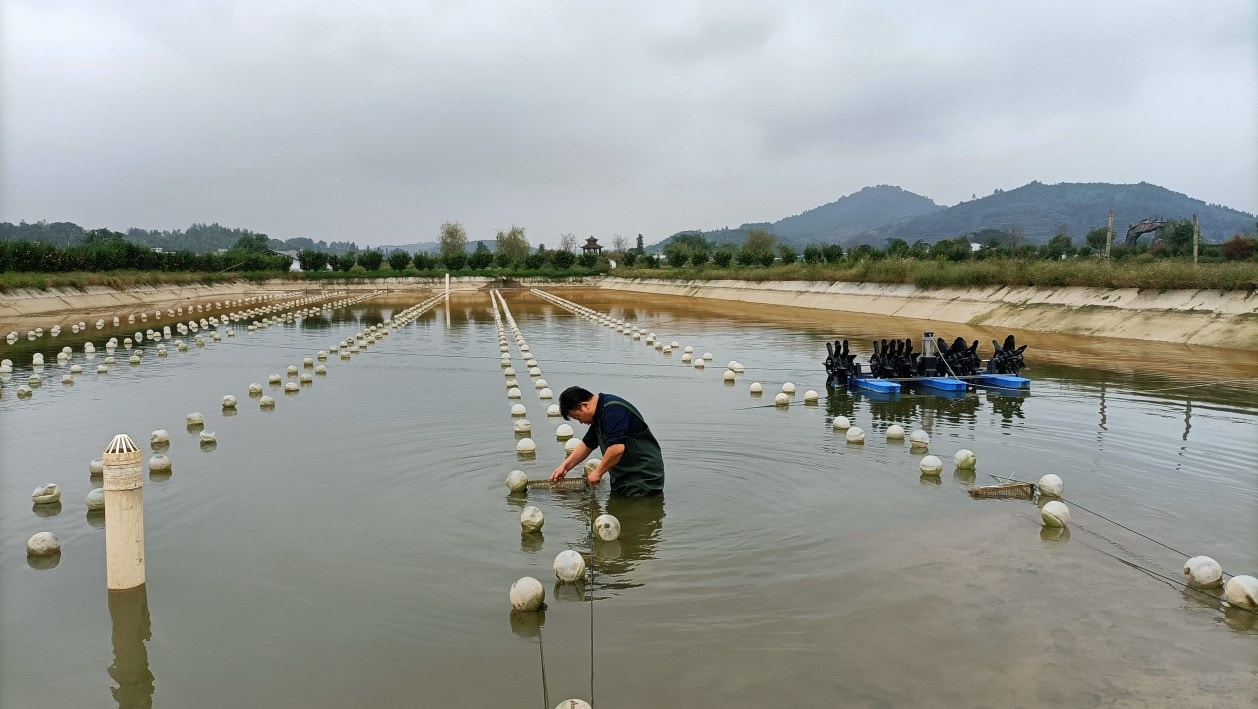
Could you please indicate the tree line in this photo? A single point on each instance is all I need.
(197, 238)
(104, 250)
(761, 248)
(512, 252)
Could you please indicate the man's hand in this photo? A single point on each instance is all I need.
(559, 473)
(594, 477)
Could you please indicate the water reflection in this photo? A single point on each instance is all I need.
(641, 524)
(47, 510)
(129, 613)
(44, 562)
(1007, 404)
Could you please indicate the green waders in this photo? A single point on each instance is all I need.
(640, 470)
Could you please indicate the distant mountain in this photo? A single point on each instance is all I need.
(858, 213)
(877, 214)
(1039, 210)
(424, 246)
(433, 247)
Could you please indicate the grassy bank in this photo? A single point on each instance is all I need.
(1162, 274)
(123, 280)
(1159, 275)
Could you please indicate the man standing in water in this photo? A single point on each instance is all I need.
(630, 452)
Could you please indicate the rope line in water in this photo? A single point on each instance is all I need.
(1172, 582)
(1107, 519)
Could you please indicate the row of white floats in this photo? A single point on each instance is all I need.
(44, 544)
(527, 594)
(178, 311)
(688, 355)
(35, 379)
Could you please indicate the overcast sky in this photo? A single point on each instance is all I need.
(376, 121)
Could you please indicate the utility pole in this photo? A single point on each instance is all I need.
(1196, 235)
(1109, 234)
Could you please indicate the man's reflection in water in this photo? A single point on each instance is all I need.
(129, 611)
(641, 521)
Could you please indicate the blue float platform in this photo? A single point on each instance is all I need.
(941, 383)
(880, 385)
(1004, 381)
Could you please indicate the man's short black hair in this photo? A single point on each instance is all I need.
(571, 398)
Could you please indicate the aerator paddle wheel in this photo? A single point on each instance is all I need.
(938, 365)
(1007, 359)
(841, 364)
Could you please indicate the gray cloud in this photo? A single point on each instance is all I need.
(377, 122)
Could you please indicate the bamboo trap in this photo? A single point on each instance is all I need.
(566, 484)
(1004, 491)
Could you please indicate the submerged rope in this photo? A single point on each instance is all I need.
(1173, 582)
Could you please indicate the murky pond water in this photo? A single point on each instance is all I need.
(354, 547)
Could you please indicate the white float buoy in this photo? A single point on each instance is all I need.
(1242, 592)
(517, 481)
(292, 387)
(546, 393)
(563, 432)
(919, 438)
(208, 437)
(811, 397)
(196, 419)
(518, 410)
(1055, 514)
(525, 445)
(266, 402)
(930, 465)
(1203, 572)
(573, 704)
(841, 423)
(43, 544)
(964, 459)
(531, 519)
(1051, 484)
(229, 402)
(96, 467)
(160, 437)
(788, 388)
(159, 464)
(607, 527)
(855, 434)
(527, 594)
(782, 399)
(95, 500)
(755, 387)
(46, 494)
(552, 410)
(523, 426)
(570, 445)
(569, 566)
(895, 432)
(728, 376)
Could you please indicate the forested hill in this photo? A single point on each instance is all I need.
(857, 213)
(198, 238)
(1038, 211)
(1035, 211)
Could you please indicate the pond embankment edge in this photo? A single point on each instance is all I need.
(1198, 317)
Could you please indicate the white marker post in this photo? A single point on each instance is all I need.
(124, 514)
(447, 286)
